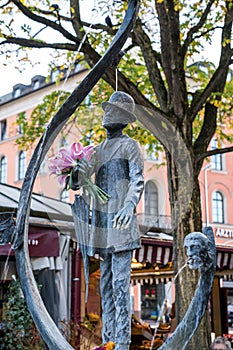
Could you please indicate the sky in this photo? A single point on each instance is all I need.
(11, 76)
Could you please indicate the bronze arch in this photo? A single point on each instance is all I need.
(42, 319)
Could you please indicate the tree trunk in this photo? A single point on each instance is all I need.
(186, 220)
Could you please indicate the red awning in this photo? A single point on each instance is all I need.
(41, 242)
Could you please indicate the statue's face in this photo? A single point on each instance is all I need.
(196, 250)
(111, 116)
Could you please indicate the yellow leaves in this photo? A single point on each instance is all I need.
(217, 103)
(24, 59)
(72, 10)
(178, 6)
(226, 42)
(197, 5)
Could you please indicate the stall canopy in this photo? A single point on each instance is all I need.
(43, 239)
(157, 248)
(41, 242)
(41, 206)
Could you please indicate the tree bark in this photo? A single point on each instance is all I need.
(186, 220)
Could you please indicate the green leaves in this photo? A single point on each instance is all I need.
(20, 332)
(34, 127)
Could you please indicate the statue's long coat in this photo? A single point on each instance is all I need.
(119, 172)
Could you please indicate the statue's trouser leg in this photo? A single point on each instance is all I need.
(107, 301)
(115, 292)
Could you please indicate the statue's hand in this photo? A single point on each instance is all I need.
(84, 167)
(124, 216)
(81, 171)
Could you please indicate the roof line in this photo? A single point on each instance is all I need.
(47, 205)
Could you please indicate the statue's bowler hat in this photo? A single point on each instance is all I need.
(125, 103)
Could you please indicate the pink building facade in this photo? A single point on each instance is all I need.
(216, 184)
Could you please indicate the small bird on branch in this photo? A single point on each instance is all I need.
(108, 21)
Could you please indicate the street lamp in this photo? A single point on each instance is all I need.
(205, 169)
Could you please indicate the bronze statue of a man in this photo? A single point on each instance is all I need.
(114, 232)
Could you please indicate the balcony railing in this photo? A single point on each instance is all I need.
(160, 223)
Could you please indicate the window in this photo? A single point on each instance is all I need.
(216, 160)
(36, 84)
(64, 196)
(77, 67)
(3, 130)
(17, 92)
(22, 117)
(151, 199)
(21, 165)
(55, 75)
(217, 207)
(3, 170)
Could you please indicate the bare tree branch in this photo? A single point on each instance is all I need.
(4, 5)
(151, 58)
(206, 133)
(39, 44)
(165, 43)
(52, 13)
(100, 26)
(45, 21)
(76, 20)
(217, 82)
(214, 152)
(179, 91)
(172, 60)
(198, 26)
(207, 32)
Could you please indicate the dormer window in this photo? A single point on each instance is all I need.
(17, 92)
(36, 84)
(55, 75)
(78, 67)
(37, 81)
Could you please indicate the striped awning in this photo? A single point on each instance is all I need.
(161, 252)
(150, 279)
(224, 259)
(154, 254)
(154, 251)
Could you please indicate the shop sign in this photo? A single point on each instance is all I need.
(224, 233)
(41, 242)
(225, 284)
